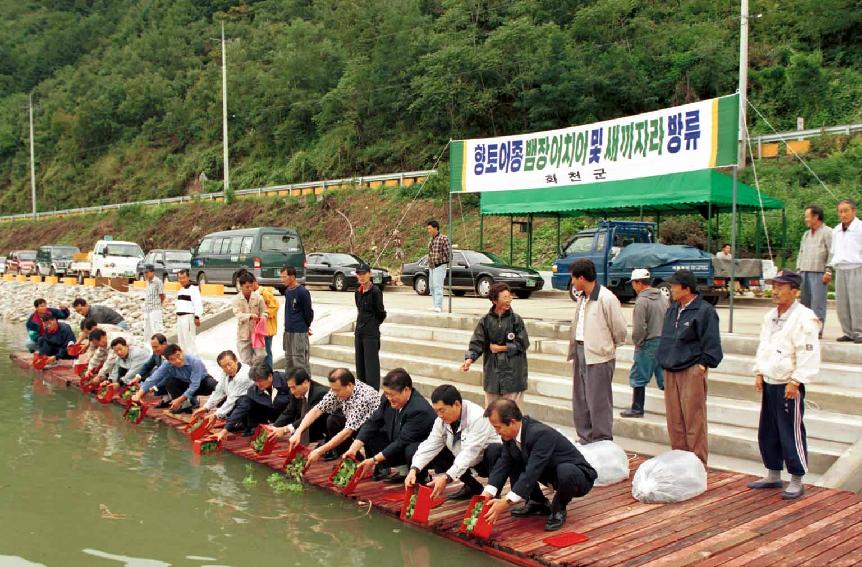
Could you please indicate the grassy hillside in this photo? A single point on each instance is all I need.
(128, 93)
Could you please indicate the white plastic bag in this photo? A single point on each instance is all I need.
(609, 460)
(670, 477)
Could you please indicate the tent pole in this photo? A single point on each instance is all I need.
(511, 237)
(449, 235)
(732, 285)
(558, 234)
(481, 231)
(657, 225)
(757, 227)
(709, 227)
(529, 240)
(783, 236)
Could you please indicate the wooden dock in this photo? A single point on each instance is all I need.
(729, 525)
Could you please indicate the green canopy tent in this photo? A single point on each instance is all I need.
(705, 192)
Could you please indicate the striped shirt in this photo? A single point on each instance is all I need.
(152, 297)
(189, 301)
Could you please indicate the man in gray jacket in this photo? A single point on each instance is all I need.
(598, 328)
(647, 321)
(814, 253)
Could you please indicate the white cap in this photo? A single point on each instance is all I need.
(639, 274)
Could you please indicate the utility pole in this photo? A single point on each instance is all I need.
(228, 194)
(32, 161)
(743, 80)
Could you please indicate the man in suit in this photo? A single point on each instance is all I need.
(306, 394)
(534, 453)
(263, 403)
(394, 431)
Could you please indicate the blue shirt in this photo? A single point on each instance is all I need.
(192, 372)
(298, 313)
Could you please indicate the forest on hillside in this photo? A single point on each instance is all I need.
(127, 93)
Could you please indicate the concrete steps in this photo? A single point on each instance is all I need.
(431, 347)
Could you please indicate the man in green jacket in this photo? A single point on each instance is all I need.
(501, 340)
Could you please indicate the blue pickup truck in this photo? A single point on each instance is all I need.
(617, 247)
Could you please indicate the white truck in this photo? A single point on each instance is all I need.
(109, 259)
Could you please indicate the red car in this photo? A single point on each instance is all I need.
(21, 262)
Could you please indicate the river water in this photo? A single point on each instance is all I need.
(78, 486)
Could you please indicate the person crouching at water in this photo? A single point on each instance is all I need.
(306, 394)
(128, 361)
(263, 402)
(57, 338)
(101, 357)
(501, 340)
(184, 377)
(394, 431)
(348, 404)
(35, 325)
(233, 384)
(101, 314)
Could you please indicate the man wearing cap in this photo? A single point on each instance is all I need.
(847, 263)
(788, 357)
(154, 296)
(690, 344)
(650, 307)
(366, 338)
(598, 328)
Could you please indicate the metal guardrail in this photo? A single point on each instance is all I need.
(847, 130)
(323, 185)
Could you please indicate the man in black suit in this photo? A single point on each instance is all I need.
(534, 453)
(265, 401)
(394, 431)
(306, 394)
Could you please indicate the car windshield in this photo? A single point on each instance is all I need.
(580, 244)
(479, 258)
(26, 255)
(65, 252)
(179, 256)
(124, 250)
(344, 259)
(280, 242)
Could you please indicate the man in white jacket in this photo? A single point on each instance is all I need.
(788, 357)
(461, 438)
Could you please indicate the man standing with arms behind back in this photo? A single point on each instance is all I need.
(154, 296)
(439, 254)
(298, 315)
(690, 344)
(847, 263)
(190, 309)
(814, 251)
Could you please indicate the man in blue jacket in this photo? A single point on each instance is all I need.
(184, 377)
(690, 345)
(57, 338)
(35, 325)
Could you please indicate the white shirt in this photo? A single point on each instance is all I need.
(468, 444)
(582, 307)
(231, 388)
(492, 490)
(789, 347)
(189, 300)
(847, 246)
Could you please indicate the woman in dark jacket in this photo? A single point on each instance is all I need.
(370, 313)
(501, 340)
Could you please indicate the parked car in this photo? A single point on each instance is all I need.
(54, 259)
(337, 271)
(167, 263)
(109, 259)
(263, 251)
(472, 270)
(21, 262)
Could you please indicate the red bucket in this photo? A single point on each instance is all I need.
(478, 526)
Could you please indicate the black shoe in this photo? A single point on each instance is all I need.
(398, 479)
(631, 413)
(178, 411)
(248, 432)
(380, 473)
(557, 517)
(844, 339)
(163, 405)
(466, 492)
(532, 508)
(330, 455)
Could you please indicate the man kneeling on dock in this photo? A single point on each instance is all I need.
(184, 377)
(306, 394)
(461, 439)
(234, 383)
(57, 338)
(263, 402)
(348, 404)
(534, 453)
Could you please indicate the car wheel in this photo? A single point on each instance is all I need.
(483, 286)
(664, 288)
(202, 279)
(523, 294)
(573, 293)
(459, 292)
(165, 279)
(420, 285)
(80, 278)
(98, 273)
(339, 283)
(52, 271)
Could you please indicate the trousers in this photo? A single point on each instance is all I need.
(685, 409)
(781, 434)
(592, 398)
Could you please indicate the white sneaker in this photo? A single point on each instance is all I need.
(438, 310)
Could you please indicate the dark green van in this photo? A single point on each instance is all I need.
(263, 251)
